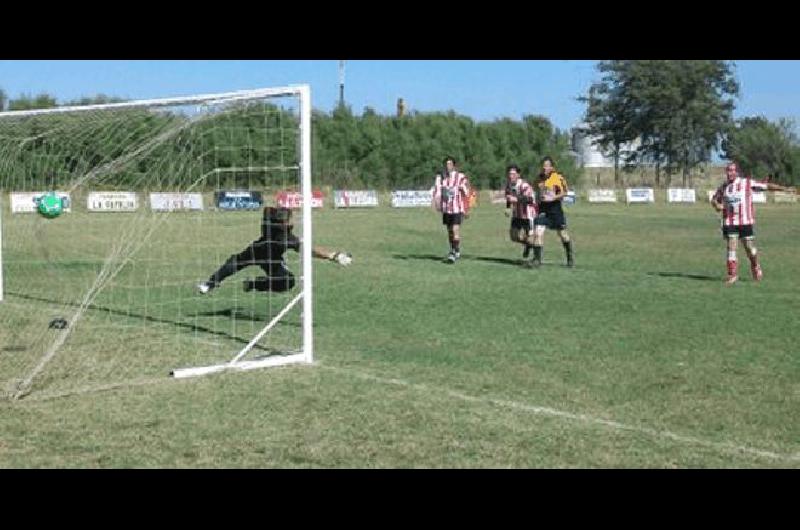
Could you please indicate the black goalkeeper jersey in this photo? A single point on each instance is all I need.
(275, 240)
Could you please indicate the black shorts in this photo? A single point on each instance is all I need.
(521, 224)
(554, 220)
(739, 231)
(277, 280)
(450, 219)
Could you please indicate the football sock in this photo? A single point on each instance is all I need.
(568, 248)
(731, 263)
(753, 258)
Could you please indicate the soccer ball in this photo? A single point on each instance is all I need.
(343, 258)
(49, 205)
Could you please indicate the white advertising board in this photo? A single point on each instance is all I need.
(112, 201)
(170, 202)
(25, 201)
(411, 198)
(639, 195)
(355, 198)
(681, 195)
(602, 195)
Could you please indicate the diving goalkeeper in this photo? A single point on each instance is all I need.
(267, 252)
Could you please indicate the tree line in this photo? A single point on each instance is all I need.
(674, 114)
(46, 101)
(375, 151)
(350, 151)
(671, 115)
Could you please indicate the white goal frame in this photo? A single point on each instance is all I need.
(303, 93)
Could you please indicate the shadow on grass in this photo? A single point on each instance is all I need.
(702, 277)
(428, 257)
(231, 313)
(235, 314)
(502, 261)
(441, 259)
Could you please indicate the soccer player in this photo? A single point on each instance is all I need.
(451, 197)
(521, 199)
(734, 199)
(267, 252)
(552, 188)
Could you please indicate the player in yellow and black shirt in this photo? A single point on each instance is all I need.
(551, 190)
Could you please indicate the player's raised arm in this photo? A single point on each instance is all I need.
(778, 187)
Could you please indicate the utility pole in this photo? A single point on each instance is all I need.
(341, 84)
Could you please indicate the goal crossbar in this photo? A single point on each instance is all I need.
(224, 97)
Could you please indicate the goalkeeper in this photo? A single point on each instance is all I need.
(267, 252)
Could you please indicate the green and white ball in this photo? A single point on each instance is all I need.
(50, 205)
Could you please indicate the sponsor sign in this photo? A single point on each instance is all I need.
(238, 200)
(170, 202)
(112, 201)
(636, 195)
(411, 198)
(785, 196)
(602, 195)
(355, 198)
(681, 195)
(294, 199)
(570, 198)
(25, 201)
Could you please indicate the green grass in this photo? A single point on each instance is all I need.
(639, 357)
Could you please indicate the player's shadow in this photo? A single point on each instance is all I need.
(442, 259)
(428, 257)
(238, 315)
(701, 277)
(235, 314)
(502, 261)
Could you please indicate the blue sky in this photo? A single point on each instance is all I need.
(483, 90)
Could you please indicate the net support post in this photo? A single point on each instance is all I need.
(1, 249)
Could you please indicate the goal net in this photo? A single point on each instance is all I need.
(156, 195)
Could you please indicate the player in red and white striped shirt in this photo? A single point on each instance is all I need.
(451, 197)
(734, 199)
(522, 201)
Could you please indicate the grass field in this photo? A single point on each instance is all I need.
(638, 357)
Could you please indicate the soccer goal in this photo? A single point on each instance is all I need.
(156, 195)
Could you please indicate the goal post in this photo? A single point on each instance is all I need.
(121, 274)
(1, 248)
(307, 354)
